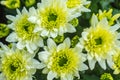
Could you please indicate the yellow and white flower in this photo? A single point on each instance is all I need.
(78, 5)
(17, 64)
(53, 18)
(62, 61)
(100, 42)
(23, 31)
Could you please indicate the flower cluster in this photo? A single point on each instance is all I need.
(40, 39)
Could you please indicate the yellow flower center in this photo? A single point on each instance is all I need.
(13, 66)
(100, 41)
(64, 61)
(73, 3)
(53, 17)
(24, 29)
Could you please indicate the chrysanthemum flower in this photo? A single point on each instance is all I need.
(62, 61)
(100, 42)
(23, 31)
(17, 64)
(108, 14)
(53, 18)
(116, 60)
(78, 5)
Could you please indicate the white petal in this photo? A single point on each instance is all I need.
(2, 77)
(33, 46)
(51, 44)
(32, 11)
(11, 26)
(67, 42)
(18, 12)
(20, 45)
(69, 77)
(115, 27)
(37, 64)
(103, 22)
(12, 37)
(29, 48)
(94, 20)
(89, 57)
(24, 10)
(86, 2)
(84, 9)
(4, 46)
(110, 62)
(98, 58)
(77, 74)
(75, 15)
(61, 47)
(118, 36)
(77, 49)
(12, 18)
(83, 67)
(45, 70)
(79, 45)
(28, 78)
(92, 63)
(84, 35)
(61, 31)
(83, 57)
(102, 64)
(53, 34)
(43, 56)
(44, 33)
(63, 78)
(37, 29)
(32, 19)
(51, 75)
(70, 28)
(40, 42)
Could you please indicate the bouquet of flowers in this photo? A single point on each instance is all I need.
(60, 40)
